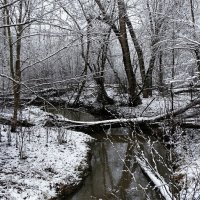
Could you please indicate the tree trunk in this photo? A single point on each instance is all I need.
(148, 82)
(16, 89)
(160, 74)
(12, 71)
(197, 51)
(85, 57)
(11, 55)
(134, 99)
(17, 76)
(102, 96)
(77, 99)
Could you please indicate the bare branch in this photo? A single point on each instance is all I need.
(8, 4)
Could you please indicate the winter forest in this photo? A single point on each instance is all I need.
(100, 99)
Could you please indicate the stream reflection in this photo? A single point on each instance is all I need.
(115, 173)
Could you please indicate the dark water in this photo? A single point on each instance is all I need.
(72, 114)
(115, 173)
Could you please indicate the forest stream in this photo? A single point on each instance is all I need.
(115, 173)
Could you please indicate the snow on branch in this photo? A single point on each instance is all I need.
(155, 177)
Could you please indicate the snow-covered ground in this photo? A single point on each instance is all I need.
(50, 158)
(188, 150)
(155, 105)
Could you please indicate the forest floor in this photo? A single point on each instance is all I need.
(50, 157)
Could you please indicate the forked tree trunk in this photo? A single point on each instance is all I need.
(134, 99)
(139, 51)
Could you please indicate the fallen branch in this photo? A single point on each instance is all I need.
(155, 177)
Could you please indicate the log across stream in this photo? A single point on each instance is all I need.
(115, 172)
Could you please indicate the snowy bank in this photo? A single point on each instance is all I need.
(51, 158)
(188, 151)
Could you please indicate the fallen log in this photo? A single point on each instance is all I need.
(81, 125)
(156, 178)
(54, 120)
